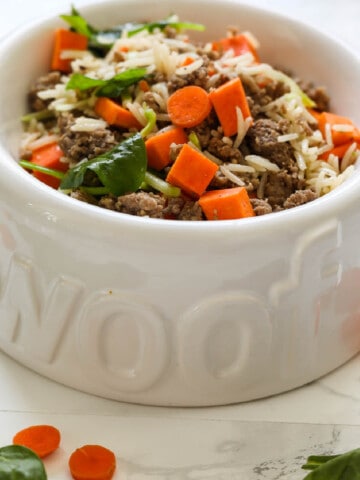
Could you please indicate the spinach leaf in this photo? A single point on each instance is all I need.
(121, 170)
(100, 41)
(113, 87)
(334, 467)
(20, 463)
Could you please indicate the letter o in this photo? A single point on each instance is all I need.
(111, 318)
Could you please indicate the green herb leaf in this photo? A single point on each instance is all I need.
(20, 463)
(121, 170)
(100, 41)
(162, 24)
(334, 467)
(111, 88)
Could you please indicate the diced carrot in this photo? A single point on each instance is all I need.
(144, 86)
(187, 61)
(188, 106)
(66, 40)
(357, 136)
(92, 462)
(314, 113)
(191, 171)
(41, 439)
(239, 44)
(115, 114)
(49, 156)
(225, 99)
(158, 146)
(226, 204)
(339, 151)
(333, 119)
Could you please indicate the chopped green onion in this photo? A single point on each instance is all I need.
(38, 168)
(41, 115)
(194, 140)
(161, 185)
(150, 116)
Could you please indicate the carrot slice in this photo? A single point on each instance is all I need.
(339, 151)
(115, 114)
(334, 120)
(41, 439)
(66, 40)
(49, 156)
(188, 106)
(225, 99)
(158, 146)
(226, 204)
(191, 171)
(239, 44)
(92, 462)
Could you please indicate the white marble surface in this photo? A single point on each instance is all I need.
(265, 439)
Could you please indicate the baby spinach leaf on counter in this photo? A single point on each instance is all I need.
(121, 170)
(334, 467)
(112, 88)
(162, 24)
(20, 463)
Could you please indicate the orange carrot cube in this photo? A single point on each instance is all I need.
(191, 171)
(226, 204)
(158, 146)
(225, 99)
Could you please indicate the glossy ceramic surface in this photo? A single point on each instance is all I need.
(178, 313)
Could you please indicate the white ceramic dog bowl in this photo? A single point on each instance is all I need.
(178, 313)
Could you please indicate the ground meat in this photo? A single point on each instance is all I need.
(199, 77)
(83, 197)
(148, 204)
(261, 207)
(141, 204)
(150, 101)
(191, 211)
(280, 186)
(43, 83)
(180, 208)
(224, 151)
(259, 97)
(250, 181)
(79, 145)
(299, 198)
(262, 140)
(318, 94)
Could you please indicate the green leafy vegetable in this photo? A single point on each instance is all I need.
(101, 41)
(162, 24)
(111, 88)
(20, 463)
(334, 467)
(121, 170)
